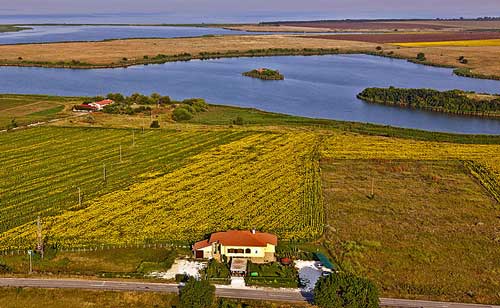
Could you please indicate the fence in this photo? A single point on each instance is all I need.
(90, 248)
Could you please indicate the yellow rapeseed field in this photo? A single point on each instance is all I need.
(465, 43)
(352, 146)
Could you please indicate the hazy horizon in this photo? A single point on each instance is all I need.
(257, 10)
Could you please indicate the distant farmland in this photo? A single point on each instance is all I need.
(413, 37)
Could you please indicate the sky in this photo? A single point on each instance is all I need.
(335, 9)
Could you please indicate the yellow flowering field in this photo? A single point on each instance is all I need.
(353, 146)
(269, 181)
(465, 43)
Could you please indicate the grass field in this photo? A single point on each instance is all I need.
(429, 230)
(108, 52)
(33, 108)
(107, 262)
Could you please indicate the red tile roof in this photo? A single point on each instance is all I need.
(239, 238)
(104, 102)
(201, 244)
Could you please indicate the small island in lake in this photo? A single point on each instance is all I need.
(454, 101)
(265, 74)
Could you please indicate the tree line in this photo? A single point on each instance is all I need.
(139, 103)
(454, 101)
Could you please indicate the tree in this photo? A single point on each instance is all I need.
(238, 121)
(421, 56)
(181, 114)
(197, 294)
(345, 290)
(165, 100)
(117, 97)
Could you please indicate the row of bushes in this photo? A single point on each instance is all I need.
(455, 101)
(139, 103)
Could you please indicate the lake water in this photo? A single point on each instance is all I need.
(50, 34)
(315, 86)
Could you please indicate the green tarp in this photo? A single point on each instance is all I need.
(324, 260)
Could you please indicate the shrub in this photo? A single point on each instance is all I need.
(421, 56)
(181, 114)
(181, 278)
(12, 124)
(155, 124)
(238, 121)
(4, 269)
(197, 294)
(345, 290)
(379, 48)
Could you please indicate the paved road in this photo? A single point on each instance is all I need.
(222, 291)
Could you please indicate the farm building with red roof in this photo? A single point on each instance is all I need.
(258, 247)
(101, 104)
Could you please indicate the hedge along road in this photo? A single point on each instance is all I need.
(314, 86)
(266, 294)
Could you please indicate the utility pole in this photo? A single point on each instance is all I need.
(30, 252)
(133, 138)
(39, 245)
(120, 153)
(373, 188)
(79, 197)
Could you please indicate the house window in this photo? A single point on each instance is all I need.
(248, 250)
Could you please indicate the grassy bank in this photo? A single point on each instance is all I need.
(120, 53)
(162, 58)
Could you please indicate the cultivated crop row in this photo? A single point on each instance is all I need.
(43, 170)
(268, 181)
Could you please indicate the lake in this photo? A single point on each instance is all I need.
(314, 86)
(51, 34)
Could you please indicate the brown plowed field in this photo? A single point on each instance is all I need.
(410, 38)
(367, 25)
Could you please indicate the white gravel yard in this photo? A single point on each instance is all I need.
(309, 273)
(181, 267)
